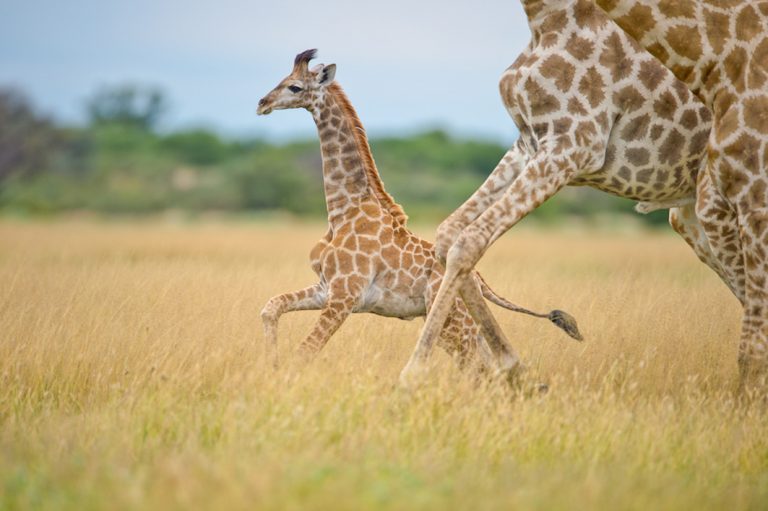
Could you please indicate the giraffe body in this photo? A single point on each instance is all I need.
(628, 126)
(368, 260)
(719, 49)
(593, 108)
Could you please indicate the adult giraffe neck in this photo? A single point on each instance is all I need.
(349, 171)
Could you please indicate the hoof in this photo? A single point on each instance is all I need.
(512, 373)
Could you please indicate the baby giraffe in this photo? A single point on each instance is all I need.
(368, 260)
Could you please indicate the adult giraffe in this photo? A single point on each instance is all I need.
(593, 108)
(719, 49)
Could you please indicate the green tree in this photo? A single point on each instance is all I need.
(134, 105)
(196, 147)
(28, 140)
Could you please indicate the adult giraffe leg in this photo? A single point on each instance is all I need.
(753, 346)
(505, 358)
(460, 336)
(685, 222)
(494, 186)
(737, 168)
(309, 298)
(719, 222)
(461, 339)
(541, 178)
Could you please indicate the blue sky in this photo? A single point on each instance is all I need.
(406, 65)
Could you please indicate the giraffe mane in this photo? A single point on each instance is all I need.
(361, 141)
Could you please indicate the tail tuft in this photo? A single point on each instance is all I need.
(566, 322)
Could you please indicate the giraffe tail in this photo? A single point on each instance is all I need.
(561, 319)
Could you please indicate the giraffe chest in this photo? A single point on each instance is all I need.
(526, 101)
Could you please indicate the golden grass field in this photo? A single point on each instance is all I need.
(132, 376)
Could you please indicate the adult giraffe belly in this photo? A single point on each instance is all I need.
(659, 162)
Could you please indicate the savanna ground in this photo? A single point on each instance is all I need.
(132, 376)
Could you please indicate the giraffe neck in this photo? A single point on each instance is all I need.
(647, 25)
(690, 38)
(349, 172)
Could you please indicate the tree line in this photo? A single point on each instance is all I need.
(120, 162)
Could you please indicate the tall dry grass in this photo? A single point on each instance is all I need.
(132, 377)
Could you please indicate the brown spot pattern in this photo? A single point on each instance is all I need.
(591, 87)
(666, 106)
(614, 58)
(756, 113)
(637, 157)
(628, 99)
(678, 9)
(651, 74)
(540, 100)
(579, 47)
(672, 147)
(685, 40)
(637, 128)
(717, 29)
(734, 65)
(747, 24)
(637, 21)
(587, 15)
(559, 70)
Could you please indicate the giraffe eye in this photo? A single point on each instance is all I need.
(294, 88)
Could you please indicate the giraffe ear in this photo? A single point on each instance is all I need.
(326, 74)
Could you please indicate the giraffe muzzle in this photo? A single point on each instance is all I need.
(263, 108)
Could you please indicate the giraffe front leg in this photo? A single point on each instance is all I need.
(309, 298)
(343, 295)
(541, 178)
(489, 192)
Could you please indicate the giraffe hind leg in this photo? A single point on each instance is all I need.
(309, 298)
(753, 346)
(343, 295)
(720, 223)
(685, 223)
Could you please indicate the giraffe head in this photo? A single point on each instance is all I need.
(300, 89)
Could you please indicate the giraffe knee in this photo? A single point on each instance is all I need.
(465, 252)
(444, 239)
